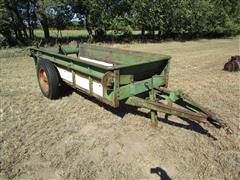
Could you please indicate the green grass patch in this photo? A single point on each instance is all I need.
(65, 33)
(72, 33)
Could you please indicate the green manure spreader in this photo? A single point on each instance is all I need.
(113, 76)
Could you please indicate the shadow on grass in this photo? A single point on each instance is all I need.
(161, 173)
(52, 41)
(112, 38)
(125, 109)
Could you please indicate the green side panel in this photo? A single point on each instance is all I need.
(141, 86)
(116, 58)
(119, 57)
(126, 79)
(78, 66)
(143, 71)
(134, 72)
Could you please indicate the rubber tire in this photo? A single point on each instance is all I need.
(53, 79)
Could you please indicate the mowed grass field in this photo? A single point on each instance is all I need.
(75, 137)
(73, 33)
(66, 33)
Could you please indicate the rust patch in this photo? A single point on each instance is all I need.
(43, 80)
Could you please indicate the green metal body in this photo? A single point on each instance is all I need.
(113, 75)
(128, 75)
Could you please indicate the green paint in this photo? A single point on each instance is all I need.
(126, 79)
(133, 73)
(140, 86)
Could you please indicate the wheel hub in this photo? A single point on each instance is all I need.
(43, 80)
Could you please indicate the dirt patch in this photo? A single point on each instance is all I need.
(76, 138)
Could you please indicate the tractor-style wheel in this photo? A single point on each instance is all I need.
(48, 79)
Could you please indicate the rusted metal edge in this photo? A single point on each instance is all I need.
(117, 67)
(159, 107)
(211, 117)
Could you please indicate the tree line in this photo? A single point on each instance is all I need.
(155, 18)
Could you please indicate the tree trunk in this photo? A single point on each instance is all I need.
(159, 34)
(42, 17)
(8, 35)
(90, 34)
(25, 32)
(100, 33)
(16, 33)
(45, 26)
(152, 32)
(20, 26)
(89, 30)
(143, 31)
(20, 35)
(30, 27)
(20, 22)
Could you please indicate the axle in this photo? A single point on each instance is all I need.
(174, 103)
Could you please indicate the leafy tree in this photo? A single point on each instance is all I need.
(42, 14)
(5, 24)
(226, 17)
(122, 17)
(16, 18)
(171, 18)
(102, 15)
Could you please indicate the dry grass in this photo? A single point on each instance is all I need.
(76, 138)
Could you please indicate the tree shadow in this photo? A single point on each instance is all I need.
(161, 173)
(124, 109)
(110, 38)
(114, 38)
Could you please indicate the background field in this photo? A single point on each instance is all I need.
(72, 33)
(76, 137)
(66, 33)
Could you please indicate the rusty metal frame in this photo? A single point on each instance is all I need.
(119, 84)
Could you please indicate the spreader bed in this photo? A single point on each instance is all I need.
(114, 76)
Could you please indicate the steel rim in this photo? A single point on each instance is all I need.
(43, 80)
